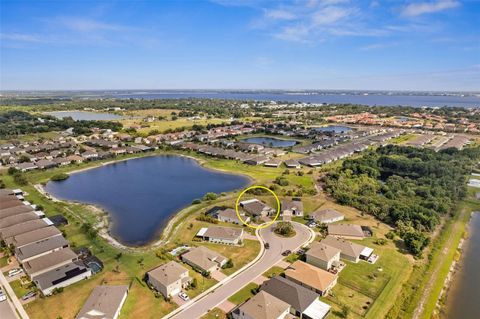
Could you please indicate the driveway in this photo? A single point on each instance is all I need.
(198, 307)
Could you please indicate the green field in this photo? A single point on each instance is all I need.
(243, 294)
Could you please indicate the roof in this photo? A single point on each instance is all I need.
(47, 261)
(17, 219)
(295, 295)
(292, 204)
(254, 206)
(226, 233)
(310, 275)
(346, 247)
(229, 213)
(103, 303)
(322, 251)
(168, 273)
(60, 274)
(10, 201)
(203, 257)
(325, 214)
(346, 230)
(15, 210)
(264, 306)
(22, 228)
(40, 247)
(32, 236)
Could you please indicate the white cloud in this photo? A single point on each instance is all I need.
(417, 9)
(280, 14)
(330, 15)
(22, 37)
(88, 25)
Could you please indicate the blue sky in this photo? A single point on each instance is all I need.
(250, 44)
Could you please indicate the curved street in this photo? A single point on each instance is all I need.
(222, 291)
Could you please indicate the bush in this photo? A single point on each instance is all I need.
(210, 196)
(282, 181)
(59, 177)
(284, 229)
(20, 179)
(196, 201)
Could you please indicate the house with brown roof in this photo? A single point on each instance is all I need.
(221, 235)
(257, 208)
(24, 227)
(311, 277)
(347, 231)
(32, 236)
(350, 251)
(104, 302)
(15, 210)
(262, 306)
(204, 259)
(40, 248)
(326, 216)
(168, 279)
(323, 256)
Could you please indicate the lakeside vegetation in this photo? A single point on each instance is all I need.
(409, 188)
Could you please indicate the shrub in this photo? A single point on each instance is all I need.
(59, 177)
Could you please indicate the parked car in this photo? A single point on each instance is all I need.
(14, 272)
(286, 252)
(183, 296)
(2, 296)
(29, 295)
(267, 245)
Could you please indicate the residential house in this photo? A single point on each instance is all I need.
(257, 208)
(323, 256)
(326, 216)
(40, 248)
(229, 215)
(168, 279)
(262, 306)
(204, 259)
(105, 302)
(60, 277)
(304, 303)
(349, 251)
(44, 263)
(17, 219)
(32, 236)
(221, 235)
(292, 164)
(45, 164)
(347, 231)
(292, 207)
(311, 277)
(24, 227)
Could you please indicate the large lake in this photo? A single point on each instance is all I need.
(270, 141)
(142, 194)
(463, 299)
(333, 129)
(85, 116)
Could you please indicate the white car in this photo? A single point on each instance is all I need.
(14, 272)
(183, 296)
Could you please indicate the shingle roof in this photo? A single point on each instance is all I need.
(346, 247)
(40, 247)
(325, 214)
(322, 251)
(22, 228)
(32, 236)
(47, 261)
(226, 233)
(168, 273)
(295, 295)
(310, 275)
(264, 306)
(203, 257)
(15, 210)
(17, 219)
(103, 302)
(345, 230)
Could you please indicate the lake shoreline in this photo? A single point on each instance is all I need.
(163, 233)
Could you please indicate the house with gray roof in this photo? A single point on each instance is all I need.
(323, 256)
(326, 216)
(257, 208)
(32, 236)
(221, 235)
(40, 248)
(229, 215)
(293, 207)
(105, 302)
(44, 263)
(17, 219)
(304, 303)
(350, 251)
(62, 276)
(347, 231)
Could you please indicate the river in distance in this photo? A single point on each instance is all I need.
(142, 194)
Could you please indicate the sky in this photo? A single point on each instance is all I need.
(249, 44)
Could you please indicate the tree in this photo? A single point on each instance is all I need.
(284, 229)
(210, 196)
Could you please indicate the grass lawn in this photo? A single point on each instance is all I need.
(356, 301)
(3, 261)
(215, 313)
(19, 289)
(274, 271)
(202, 282)
(243, 294)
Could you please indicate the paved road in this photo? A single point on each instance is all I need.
(197, 308)
(16, 302)
(7, 310)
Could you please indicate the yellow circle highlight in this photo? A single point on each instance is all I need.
(263, 225)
